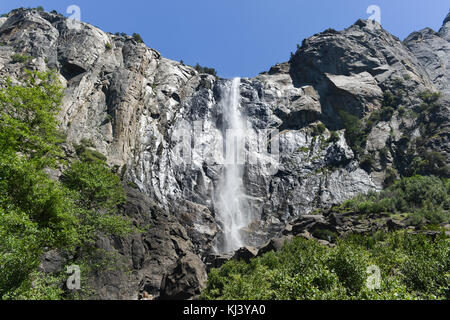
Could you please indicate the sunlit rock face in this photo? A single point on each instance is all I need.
(161, 125)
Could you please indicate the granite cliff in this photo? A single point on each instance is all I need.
(137, 108)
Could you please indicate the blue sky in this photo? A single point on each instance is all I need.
(240, 37)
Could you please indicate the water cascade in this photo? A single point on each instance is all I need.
(231, 207)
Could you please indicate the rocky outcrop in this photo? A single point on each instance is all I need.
(142, 110)
(142, 260)
(245, 254)
(187, 279)
(432, 50)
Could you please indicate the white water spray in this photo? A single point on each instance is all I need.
(232, 209)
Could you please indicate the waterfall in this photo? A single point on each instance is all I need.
(232, 211)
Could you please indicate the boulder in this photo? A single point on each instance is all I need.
(186, 280)
(275, 244)
(336, 219)
(52, 261)
(216, 260)
(245, 253)
(393, 225)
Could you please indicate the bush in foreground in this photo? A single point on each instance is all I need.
(411, 267)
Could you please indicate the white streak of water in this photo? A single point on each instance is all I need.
(232, 210)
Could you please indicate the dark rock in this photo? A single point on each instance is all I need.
(186, 280)
(275, 244)
(305, 222)
(150, 255)
(216, 260)
(245, 253)
(336, 219)
(199, 224)
(393, 225)
(52, 261)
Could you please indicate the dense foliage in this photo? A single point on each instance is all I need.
(355, 133)
(38, 213)
(422, 199)
(411, 267)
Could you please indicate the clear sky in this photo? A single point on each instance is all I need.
(240, 37)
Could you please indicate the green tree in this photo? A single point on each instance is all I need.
(206, 70)
(138, 37)
(98, 187)
(36, 212)
(28, 117)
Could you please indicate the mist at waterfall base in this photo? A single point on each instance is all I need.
(232, 210)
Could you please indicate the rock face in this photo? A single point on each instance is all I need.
(140, 110)
(432, 50)
(187, 279)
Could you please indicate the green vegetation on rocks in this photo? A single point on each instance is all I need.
(38, 213)
(21, 58)
(411, 267)
(138, 37)
(412, 264)
(424, 200)
(206, 70)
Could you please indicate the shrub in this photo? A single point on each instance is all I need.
(388, 98)
(425, 199)
(429, 163)
(429, 97)
(86, 152)
(108, 46)
(21, 58)
(398, 83)
(390, 177)
(429, 101)
(426, 267)
(321, 128)
(334, 137)
(304, 269)
(206, 70)
(28, 117)
(387, 113)
(138, 38)
(367, 162)
(354, 131)
(350, 265)
(99, 188)
(324, 234)
(384, 152)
